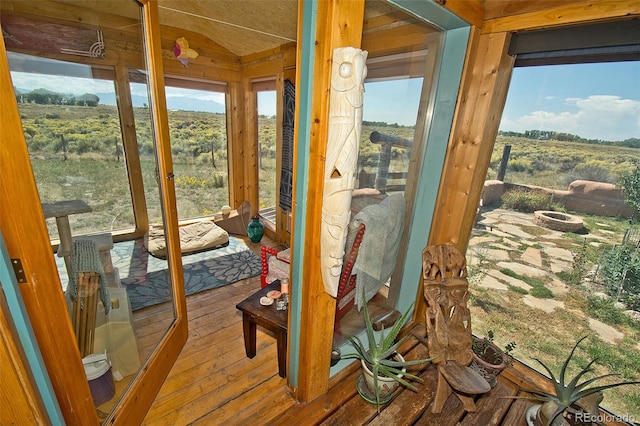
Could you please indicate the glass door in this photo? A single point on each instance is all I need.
(78, 132)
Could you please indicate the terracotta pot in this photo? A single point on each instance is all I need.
(386, 385)
(485, 368)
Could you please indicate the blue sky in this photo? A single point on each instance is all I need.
(388, 101)
(594, 101)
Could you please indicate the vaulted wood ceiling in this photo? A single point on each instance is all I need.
(242, 27)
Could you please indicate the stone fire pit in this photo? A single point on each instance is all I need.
(558, 221)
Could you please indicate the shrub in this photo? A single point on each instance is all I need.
(218, 180)
(605, 310)
(594, 170)
(520, 165)
(526, 201)
(630, 184)
(620, 270)
(30, 130)
(579, 269)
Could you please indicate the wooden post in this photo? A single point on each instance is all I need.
(503, 163)
(485, 83)
(339, 24)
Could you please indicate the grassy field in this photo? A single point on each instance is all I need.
(77, 153)
(555, 164)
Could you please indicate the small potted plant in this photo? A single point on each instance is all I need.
(488, 359)
(383, 368)
(571, 402)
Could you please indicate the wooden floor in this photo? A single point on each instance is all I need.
(214, 383)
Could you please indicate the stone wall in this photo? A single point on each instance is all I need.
(582, 196)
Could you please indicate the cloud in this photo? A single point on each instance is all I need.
(605, 117)
(195, 94)
(74, 85)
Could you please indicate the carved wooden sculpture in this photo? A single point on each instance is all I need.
(448, 321)
(345, 124)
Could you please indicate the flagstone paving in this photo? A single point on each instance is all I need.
(541, 259)
(547, 305)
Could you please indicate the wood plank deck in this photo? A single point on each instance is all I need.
(214, 383)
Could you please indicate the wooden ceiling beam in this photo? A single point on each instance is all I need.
(50, 11)
(67, 14)
(471, 11)
(564, 14)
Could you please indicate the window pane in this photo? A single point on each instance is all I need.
(572, 131)
(198, 131)
(267, 149)
(73, 134)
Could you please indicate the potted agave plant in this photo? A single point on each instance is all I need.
(488, 359)
(571, 402)
(383, 369)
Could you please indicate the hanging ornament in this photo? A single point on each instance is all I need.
(182, 52)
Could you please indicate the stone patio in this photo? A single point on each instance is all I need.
(503, 244)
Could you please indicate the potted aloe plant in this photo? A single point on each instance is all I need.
(383, 368)
(571, 402)
(488, 359)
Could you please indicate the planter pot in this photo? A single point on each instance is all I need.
(386, 385)
(486, 369)
(538, 415)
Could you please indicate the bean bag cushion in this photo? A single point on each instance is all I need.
(194, 237)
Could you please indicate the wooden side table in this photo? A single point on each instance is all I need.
(254, 314)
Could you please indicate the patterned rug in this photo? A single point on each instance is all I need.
(146, 277)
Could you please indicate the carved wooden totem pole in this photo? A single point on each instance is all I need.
(448, 321)
(446, 291)
(345, 124)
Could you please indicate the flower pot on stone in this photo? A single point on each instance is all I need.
(488, 359)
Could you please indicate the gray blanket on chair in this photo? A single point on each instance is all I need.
(86, 258)
(376, 259)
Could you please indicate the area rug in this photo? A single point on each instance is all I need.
(146, 277)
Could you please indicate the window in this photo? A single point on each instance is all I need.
(564, 124)
(390, 113)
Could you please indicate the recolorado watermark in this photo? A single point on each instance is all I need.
(604, 418)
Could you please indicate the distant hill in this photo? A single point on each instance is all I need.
(173, 103)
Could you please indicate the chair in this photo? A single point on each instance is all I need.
(345, 297)
(448, 322)
(279, 265)
(84, 311)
